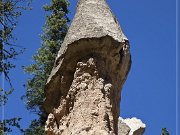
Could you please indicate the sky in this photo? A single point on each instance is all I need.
(150, 90)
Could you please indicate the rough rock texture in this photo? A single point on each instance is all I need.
(89, 107)
(93, 20)
(131, 126)
(94, 31)
(123, 128)
(84, 88)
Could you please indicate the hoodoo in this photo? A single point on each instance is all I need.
(83, 90)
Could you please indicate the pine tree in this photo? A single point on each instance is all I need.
(10, 10)
(165, 131)
(55, 29)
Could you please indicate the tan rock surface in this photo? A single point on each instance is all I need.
(123, 128)
(91, 104)
(131, 126)
(93, 23)
(87, 108)
(84, 88)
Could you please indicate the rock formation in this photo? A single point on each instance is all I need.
(131, 126)
(83, 90)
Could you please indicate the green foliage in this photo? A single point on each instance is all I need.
(10, 10)
(55, 30)
(5, 125)
(36, 128)
(165, 131)
(4, 96)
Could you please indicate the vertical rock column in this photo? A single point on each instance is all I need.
(83, 90)
(88, 105)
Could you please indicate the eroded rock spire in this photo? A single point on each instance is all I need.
(83, 90)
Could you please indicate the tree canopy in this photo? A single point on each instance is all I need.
(10, 10)
(165, 131)
(55, 29)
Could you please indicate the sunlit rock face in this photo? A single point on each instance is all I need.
(83, 90)
(90, 106)
(131, 126)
